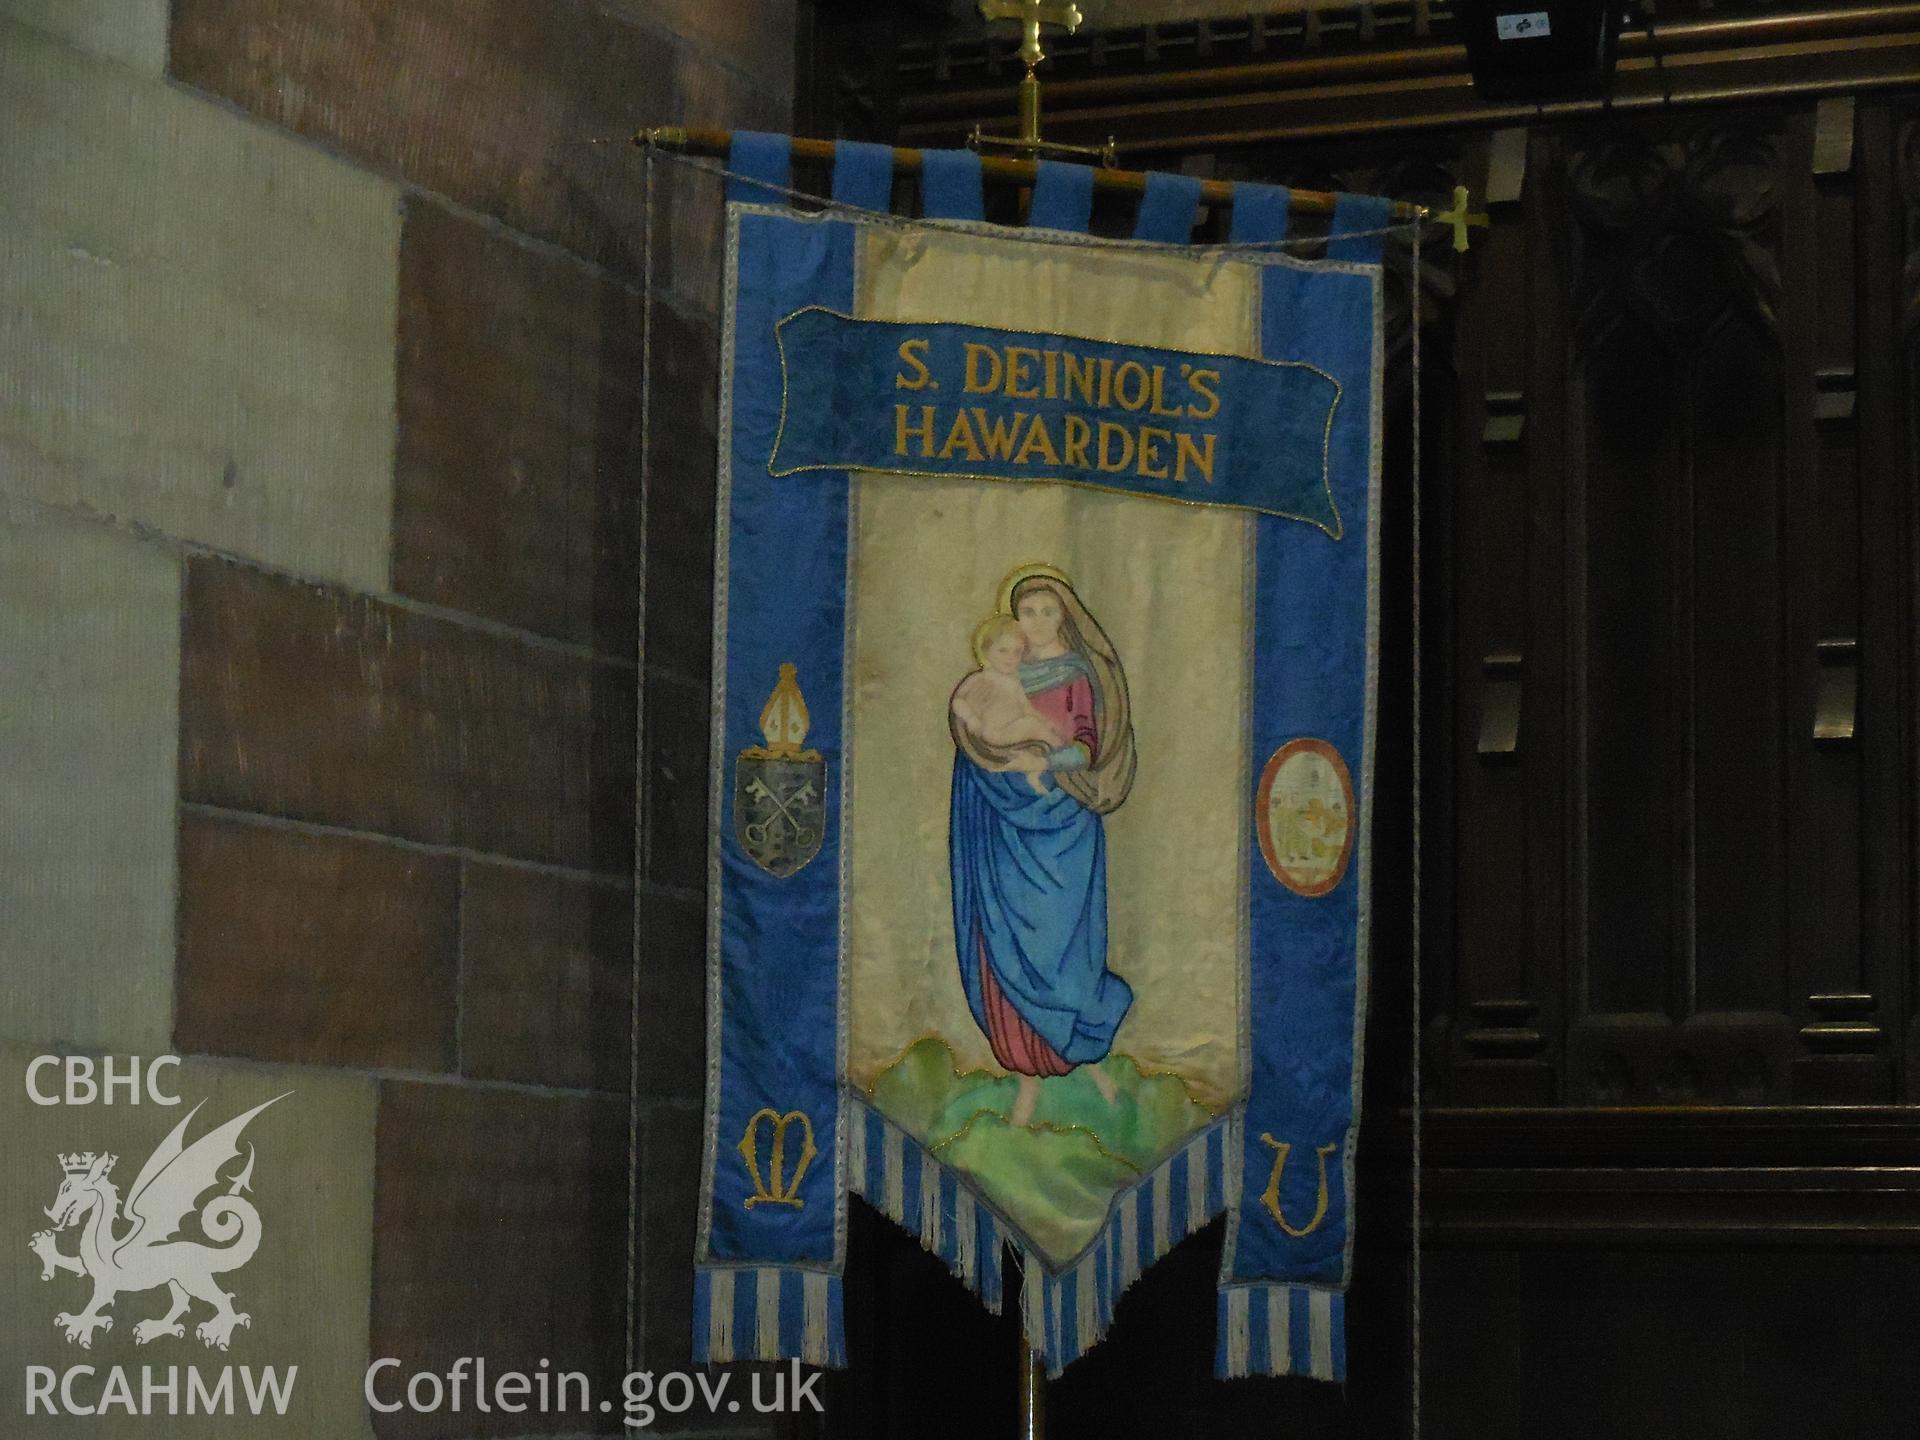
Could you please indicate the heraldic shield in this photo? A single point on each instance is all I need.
(780, 788)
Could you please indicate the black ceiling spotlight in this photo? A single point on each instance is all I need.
(1540, 49)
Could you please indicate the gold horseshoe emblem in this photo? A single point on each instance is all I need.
(1271, 1199)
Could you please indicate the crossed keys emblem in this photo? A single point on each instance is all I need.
(779, 811)
(760, 834)
(779, 789)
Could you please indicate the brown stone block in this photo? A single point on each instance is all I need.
(681, 494)
(613, 800)
(675, 817)
(303, 701)
(517, 473)
(672, 956)
(717, 96)
(315, 949)
(518, 109)
(499, 1232)
(755, 35)
(546, 978)
(711, 96)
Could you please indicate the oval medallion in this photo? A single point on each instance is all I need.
(1304, 810)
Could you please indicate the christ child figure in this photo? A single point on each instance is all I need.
(992, 703)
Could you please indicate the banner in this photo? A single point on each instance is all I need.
(1045, 623)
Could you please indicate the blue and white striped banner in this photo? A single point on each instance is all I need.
(1045, 635)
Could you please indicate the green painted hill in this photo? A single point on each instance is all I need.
(1056, 1176)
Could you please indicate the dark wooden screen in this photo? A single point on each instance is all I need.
(1669, 808)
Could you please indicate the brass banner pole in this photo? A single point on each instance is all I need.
(1033, 1394)
(1001, 170)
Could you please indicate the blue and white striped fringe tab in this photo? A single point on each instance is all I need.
(905, 1182)
(767, 1312)
(1179, 1197)
(1281, 1330)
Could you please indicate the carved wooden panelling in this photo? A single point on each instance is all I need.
(1678, 478)
(1666, 611)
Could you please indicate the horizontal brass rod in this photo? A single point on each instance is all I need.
(996, 169)
(1473, 113)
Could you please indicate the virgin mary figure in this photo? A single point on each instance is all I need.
(1028, 849)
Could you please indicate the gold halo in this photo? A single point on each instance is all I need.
(1027, 572)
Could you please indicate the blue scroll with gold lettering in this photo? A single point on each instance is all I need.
(980, 403)
(1042, 762)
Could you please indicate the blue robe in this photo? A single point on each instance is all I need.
(1030, 886)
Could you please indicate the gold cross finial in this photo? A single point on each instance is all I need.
(1459, 217)
(1032, 14)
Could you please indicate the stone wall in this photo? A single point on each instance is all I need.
(321, 557)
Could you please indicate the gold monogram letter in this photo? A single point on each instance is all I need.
(1272, 1198)
(777, 1190)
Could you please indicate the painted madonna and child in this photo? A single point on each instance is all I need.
(1043, 750)
(1043, 755)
